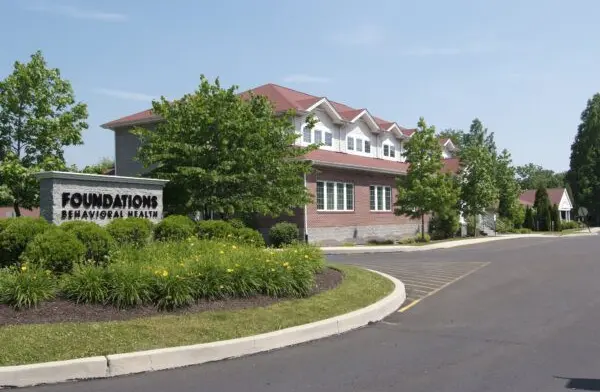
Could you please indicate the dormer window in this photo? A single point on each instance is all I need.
(389, 151)
(367, 146)
(359, 145)
(328, 139)
(318, 137)
(307, 137)
(350, 144)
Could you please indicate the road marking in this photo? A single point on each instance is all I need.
(407, 307)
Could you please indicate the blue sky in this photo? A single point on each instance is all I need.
(525, 68)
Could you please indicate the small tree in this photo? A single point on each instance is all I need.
(508, 189)
(529, 222)
(103, 166)
(556, 217)
(542, 209)
(478, 185)
(38, 118)
(225, 154)
(425, 189)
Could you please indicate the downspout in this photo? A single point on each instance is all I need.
(305, 216)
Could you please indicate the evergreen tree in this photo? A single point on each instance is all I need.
(542, 209)
(529, 222)
(508, 189)
(556, 217)
(584, 173)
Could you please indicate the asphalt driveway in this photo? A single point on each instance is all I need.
(516, 315)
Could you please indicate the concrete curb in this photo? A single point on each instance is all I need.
(345, 250)
(174, 357)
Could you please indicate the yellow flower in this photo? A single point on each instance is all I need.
(272, 269)
(229, 270)
(181, 265)
(295, 250)
(237, 265)
(229, 235)
(272, 253)
(233, 247)
(24, 268)
(221, 286)
(306, 256)
(157, 272)
(165, 273)
(288, 267)
(221, 252)
(286, 264)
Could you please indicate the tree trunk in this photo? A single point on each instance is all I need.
(475, 229)
(423, 226)
(17, 208)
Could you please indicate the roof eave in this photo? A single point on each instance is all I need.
(122, 124)
(356, 167)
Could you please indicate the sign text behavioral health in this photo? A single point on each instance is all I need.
(94, 206)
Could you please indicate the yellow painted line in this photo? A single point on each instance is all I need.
(404, 309)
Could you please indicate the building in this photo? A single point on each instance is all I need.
(558, 196)
(9, 212)
(355, 168)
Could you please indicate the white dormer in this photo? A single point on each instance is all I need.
(325, 132)
(391, 147)
(448, 148)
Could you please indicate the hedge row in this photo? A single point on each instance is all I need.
(169, 275)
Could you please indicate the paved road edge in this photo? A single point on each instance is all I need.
(174, 357)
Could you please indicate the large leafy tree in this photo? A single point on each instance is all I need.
(508, 189)
(225, 154)
(477, 159)
(425, 189)
(531, 176)
(38, 118)
(584, 172)
(456, 135)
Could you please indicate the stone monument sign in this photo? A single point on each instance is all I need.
(66, 196)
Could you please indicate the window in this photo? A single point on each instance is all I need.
(359, 145)
(318, 137)
(351, 143)
(367, 146)
(335, 196)
(389, 151)
(328, 139)
(380, 198)
(306, 135)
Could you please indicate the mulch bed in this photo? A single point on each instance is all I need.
(66, 311)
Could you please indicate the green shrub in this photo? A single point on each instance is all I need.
(422, 238)
(524, 230)
(444, 226)
(250, 237)
(26, 287)
(215, 229)
(87, 284)
(55, 250)
(378, 241)
(568, 225)
(504, 225)
(97, 241)
(130, 231)
(128, 284)
(175, 228)
(15, 237)
(171, 291)
(4, 223)
(284, 233)
(237, 223)
(407, 241)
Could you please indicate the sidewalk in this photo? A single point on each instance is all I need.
(358, 249)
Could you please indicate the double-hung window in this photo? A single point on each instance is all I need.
(380, 198)
(307, 135)
(318, 137)
(328, 139)
(359, 145)
(389, 151)
(335, 196)
(350, 143)
(367, 147)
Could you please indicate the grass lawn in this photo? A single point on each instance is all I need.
(21, 344)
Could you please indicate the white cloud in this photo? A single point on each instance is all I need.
(303, 78)
(128, 95)
(77, 13)
(359, 36)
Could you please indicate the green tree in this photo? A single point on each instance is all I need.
(532, 176)
(225, 154)
(542, 209)
(38, 118)
(456, 135)
(104, 165)
(425, 189)
(555, 217)
(508, 189)
(478, 185)
(529, 222)
(584, 172)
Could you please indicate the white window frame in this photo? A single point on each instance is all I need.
(359, 144)
(383, 207)
(350, 143)
(320, 136)
(346, 186)
(391, 152)
(367, 143)
(327, 134)
(307, 132)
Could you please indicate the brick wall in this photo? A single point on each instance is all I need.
(362, 224)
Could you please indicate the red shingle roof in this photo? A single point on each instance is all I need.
(554, 194)
(283, 99)
(451, 165)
